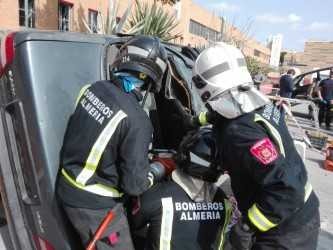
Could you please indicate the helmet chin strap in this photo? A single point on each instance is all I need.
(146, 94)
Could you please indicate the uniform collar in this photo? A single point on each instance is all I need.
(137, 94)
(197, 190)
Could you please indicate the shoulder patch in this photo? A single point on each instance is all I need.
(264, 151)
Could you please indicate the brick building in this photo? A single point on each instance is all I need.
(248, 45)
(317, 54)
(50, 15)
(197, 25)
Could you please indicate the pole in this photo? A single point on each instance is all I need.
(26, 14)
(100, 230)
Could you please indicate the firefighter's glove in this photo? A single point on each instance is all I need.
(156, 172)
(189, 121)
(242, 236)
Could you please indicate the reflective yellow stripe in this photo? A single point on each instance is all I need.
(259, 220)
(83, 89)
(273, 131)
(167, 221)
(151, 179)
(203, 118)
(307, 191)
(98, 148)
(228, 214)
(95, 188)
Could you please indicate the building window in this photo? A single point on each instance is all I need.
(27, 13)
(92, 20)
(203, 31)
(256, 53)
(65, 9)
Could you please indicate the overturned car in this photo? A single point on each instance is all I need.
(41, 74)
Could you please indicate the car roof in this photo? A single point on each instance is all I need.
(31, 35)
(301, 76)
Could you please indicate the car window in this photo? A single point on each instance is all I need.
(112, 52)
(186, 74)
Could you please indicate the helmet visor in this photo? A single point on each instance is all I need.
(235, 102)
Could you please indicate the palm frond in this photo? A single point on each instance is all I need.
(109, 24)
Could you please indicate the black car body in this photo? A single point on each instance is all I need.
(41, 74)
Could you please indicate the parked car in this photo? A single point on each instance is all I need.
(40, 75)
(306, 84)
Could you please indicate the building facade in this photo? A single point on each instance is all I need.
(317, 54)
(248, 45)
(198, 26)
(257, 50)
(50, 14)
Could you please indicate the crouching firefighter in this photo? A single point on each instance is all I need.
(268, 177)
(189, 211)
(104, 156)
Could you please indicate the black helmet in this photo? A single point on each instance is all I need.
(144, 56)
(197, 155)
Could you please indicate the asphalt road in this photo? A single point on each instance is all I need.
(322, 182)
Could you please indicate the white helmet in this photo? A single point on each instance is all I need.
(221, 77)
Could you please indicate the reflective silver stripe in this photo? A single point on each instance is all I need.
(216, 70)
(307, 191)
(96, 188)
(161, 64)
(102, 190)
(151, 179)
(98, 148)
(144, 53)
(274, 132)
(167, 221)
(137, 51)
(259, 219)
(196, 159)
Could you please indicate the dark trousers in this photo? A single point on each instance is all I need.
(305, 238)
(86, 222)
(325, 114)
(286, 94)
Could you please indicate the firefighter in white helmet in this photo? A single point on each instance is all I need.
(268, 177)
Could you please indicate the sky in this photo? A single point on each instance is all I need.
(297, 20)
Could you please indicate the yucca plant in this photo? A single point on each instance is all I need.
(171, 2)
(109, 24)
(153, 20)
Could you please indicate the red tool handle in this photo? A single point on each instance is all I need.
(168, 163)
(100, 230)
